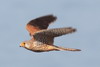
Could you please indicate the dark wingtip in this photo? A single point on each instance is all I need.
(51, 17)
(78, 50)
(74, 30)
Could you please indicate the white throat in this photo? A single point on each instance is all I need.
(27, 46)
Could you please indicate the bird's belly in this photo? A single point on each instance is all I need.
(43, 48)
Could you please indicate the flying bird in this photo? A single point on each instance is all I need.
(42, 39)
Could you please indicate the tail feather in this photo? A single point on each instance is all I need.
(67, 49)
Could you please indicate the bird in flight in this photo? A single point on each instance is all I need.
(42, 38)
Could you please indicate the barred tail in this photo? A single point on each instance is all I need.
(67, 49)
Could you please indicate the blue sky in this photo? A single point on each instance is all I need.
(84, 15)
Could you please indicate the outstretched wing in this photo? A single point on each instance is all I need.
(47, 36)
(40, 23)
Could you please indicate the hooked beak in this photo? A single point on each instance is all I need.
(20, 45)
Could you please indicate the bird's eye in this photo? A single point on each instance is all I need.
(24, 43)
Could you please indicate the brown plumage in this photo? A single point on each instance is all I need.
(40, 23)
(43, 38)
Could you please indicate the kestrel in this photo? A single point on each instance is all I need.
(43, 38)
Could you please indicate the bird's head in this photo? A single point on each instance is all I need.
(22, 44)
(25, 45)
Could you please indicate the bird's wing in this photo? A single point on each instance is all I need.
(47, 36)
(40, 23)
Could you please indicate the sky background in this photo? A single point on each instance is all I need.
(84, 15)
